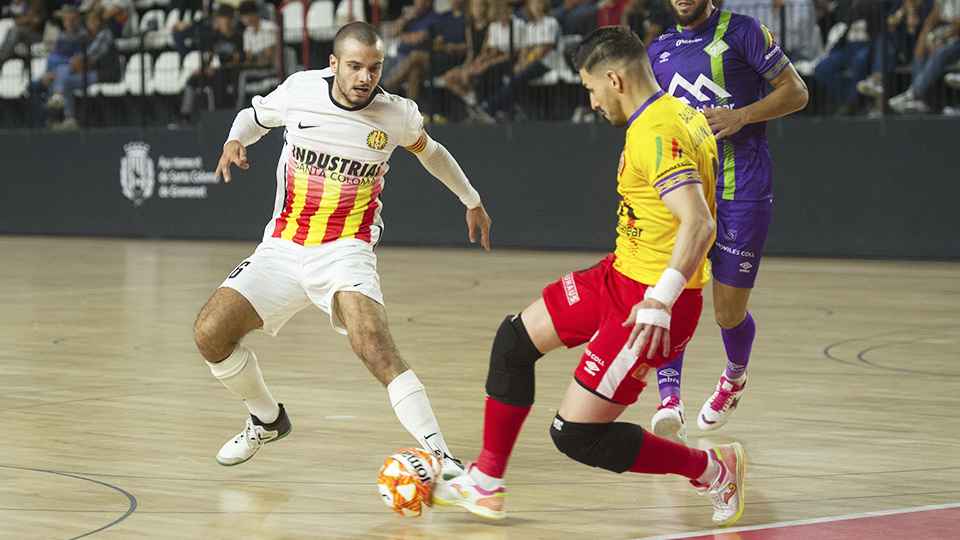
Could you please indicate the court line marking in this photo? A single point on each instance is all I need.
(130, 509)
(800, 522)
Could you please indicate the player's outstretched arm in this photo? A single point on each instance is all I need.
(244, 132)
(651, 317)
(789, 95)
(234, 153)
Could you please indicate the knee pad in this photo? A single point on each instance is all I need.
(512, 358)
(614, 446)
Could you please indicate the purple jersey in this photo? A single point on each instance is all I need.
(725, 62)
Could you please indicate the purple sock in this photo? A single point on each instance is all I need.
(738, 341)
(668, 378)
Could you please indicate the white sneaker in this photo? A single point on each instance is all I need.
(256, 434)
(952, 80)
(718, 409)
(465, 492)
(896, 102)
(669, 421)
(871, 87)
(726, 492)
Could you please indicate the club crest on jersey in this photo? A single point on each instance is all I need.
(717, 48)
(377, 140)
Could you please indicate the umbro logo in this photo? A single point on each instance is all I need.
(664, 57)
(301, 126)
(745, 267)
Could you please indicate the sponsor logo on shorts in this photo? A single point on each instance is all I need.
(734, 251)
(745, 267)
(570, 287)
(591, 368)
(557, 424)
(730, 235)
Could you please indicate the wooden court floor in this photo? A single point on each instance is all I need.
(111, 419)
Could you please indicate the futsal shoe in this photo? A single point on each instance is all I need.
(726, 492)
(718, 409)
(256, 434)
(669, 420)
(450, 467)
(464, 491)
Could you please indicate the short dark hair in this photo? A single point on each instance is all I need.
(226, 10)
(360, 31)
(608, 44)
(247, 8)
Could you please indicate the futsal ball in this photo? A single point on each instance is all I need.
(406, 480)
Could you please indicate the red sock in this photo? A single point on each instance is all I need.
(660, 456)
(501, 425)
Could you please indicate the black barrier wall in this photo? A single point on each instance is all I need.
(860, 188)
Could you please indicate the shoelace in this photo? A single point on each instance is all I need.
(721, 400)
(673, 402)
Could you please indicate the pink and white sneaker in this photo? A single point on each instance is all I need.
(718, 409)
(726, 492)
(466, 492)
(669, 420)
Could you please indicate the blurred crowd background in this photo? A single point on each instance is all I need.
(71, 64)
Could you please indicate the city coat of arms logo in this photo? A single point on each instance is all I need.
(137, 176)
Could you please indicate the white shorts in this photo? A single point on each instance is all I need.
(281, 278)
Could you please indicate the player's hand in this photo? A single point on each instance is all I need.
(233, 153)
(724, 122)
(653, 332)
(477, 217)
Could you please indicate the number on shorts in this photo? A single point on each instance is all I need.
(238, 269)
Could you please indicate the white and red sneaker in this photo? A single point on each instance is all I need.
(669, 420)
(718, 409)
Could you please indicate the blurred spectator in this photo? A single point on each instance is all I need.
(226, 44)
(857, 22)
(946, 51)
(450, 39)
(495, 60)
(610, 13)
(461, 80)
(794, 22)
(540, 34)
(576, 16)
(70, 42)
(648, 18)
(412, 62)
(99, 62)
(116, 13)
(28, 24)
(191, 34)
(909, 25)
(260, 50)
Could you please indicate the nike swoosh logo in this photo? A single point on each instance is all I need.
(301, 126)
(428, 436)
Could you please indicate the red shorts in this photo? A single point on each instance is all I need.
(590, 305)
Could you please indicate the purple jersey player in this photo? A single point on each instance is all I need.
(719, 63)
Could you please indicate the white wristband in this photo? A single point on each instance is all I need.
(656, 317)
(668, 288)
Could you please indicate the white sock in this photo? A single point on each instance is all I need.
(483, 479)
(470, 99)
(712, 473)
(409, 400)
(240, 373)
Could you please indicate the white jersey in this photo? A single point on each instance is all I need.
(334, 158)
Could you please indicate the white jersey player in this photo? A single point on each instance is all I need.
(341, 129)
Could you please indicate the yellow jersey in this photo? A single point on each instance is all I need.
(668, 144)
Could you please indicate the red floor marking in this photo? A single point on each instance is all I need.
(943, 524)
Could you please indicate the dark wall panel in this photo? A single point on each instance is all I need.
(873, 188)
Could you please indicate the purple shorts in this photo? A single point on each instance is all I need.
(741, 231)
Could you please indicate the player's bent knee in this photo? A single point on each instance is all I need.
(510, 379)
(614, 446)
